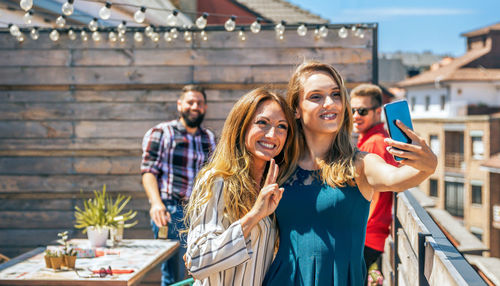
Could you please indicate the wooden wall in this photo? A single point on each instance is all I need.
(72, 114)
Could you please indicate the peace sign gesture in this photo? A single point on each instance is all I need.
(270, 195)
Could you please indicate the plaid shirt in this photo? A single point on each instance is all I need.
(175, 156)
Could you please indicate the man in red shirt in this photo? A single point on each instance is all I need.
(366, 103)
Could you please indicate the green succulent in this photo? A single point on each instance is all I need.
(102, 211)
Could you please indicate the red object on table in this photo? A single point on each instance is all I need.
(115, 271)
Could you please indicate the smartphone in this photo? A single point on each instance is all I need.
(394, 111)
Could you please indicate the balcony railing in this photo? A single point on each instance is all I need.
(420, 254)
(454, 160)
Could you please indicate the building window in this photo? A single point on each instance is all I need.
(427, 102)
(454, 198)
(443, 101)
(477, 194)
(433, 187)
(434, 144)
(413, 101)
(477, 147)
(477, 232)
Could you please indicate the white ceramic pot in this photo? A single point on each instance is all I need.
(97, 236)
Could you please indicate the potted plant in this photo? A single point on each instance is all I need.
(100, 213)
(47, 256)
(56, 260)
(68, 253)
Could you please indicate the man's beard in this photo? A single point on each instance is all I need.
(192, 122)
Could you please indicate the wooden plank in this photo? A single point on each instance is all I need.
(107, 57)
(30, 237)
(36, 204)
(143, 95)
(35, 129)
(107, 166)
(76, 144)
(30, 58)
(410, 222)
(409, 261)
(35, 165)
(69, 183)
(94, 75)
(71, 153)
(35, 96)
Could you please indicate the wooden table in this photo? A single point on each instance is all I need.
(141, 255)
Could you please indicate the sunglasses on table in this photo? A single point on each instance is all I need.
(363, 110)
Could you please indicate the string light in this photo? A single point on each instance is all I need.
(84, 36)
(280, 30)
(140, 15)
(302, 30)
(112, 37)
(34, 34)
(167, 37)
(14, 30)
(67, 8)
(96, 36)
(28, 17)
(359, 33)
(174, 33)
(61, 21)
(93, 25)
(71, 35)
(172, 19)
(201, 22)
(105, 11)
(26, 4)
(230, 24)
(121, 37)
(148, 31)
(122, 27)
(343, 33)
(54, 35)
(323, 31)
(138, 37)
(255, 26)
(317, 36)
(20, 38)
(155, 37)
(188, 36)
(204, 35)
(241, 34)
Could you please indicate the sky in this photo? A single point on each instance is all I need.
(412, 26)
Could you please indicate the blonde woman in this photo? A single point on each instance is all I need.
(324, 209)
(231, 237)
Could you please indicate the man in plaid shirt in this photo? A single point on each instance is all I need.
(173, 153)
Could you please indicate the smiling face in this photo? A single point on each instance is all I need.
(320, 104)
(363, 123)
(267, 132)
(192, 107)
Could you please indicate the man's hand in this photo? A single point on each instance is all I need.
(159, 214)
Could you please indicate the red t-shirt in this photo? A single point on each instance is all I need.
(377, 228)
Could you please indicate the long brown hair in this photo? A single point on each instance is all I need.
(337, 168)
(232, 161)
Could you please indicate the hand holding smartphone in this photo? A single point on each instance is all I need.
(398, 110)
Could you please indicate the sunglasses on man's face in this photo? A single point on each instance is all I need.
(363, 110)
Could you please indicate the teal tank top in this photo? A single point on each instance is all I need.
(321, 234)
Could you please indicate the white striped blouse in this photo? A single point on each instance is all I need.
(217, 253)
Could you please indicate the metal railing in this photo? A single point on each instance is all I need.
(454, 160)
(420, 254)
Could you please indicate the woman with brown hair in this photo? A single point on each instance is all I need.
(231, 237)
(324, 209)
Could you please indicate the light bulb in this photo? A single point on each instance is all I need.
(20, 38)
(242, 36)
(172, 19)
(54, 35)
(28, 17)
(359, 33)
(201, 22)
(302, 30)
(188, 36)
(60, 21)
(112, 37)
(138, 37)
(204, 35)
(140, 15)
(105, 11)
(26, 4)
(255, 26)
(174, 33)
(148, 31)
(14, 30)
(281, 37)
(323, 31)
(67, 8)
(96, 36)
(93, 25)
(72, 35)
(343, 33)
(84, 36)
(34, 34)
(316, 34)
(121, 38)
(155, 37)
(167, 37)
(280, 28)
(122, 28)
(230, 24)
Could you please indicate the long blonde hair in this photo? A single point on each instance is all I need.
(337, 168)
(232, 161)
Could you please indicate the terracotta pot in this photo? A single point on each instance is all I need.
(97, 236)
(47, 261)
(56, 262)
(70, 261)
